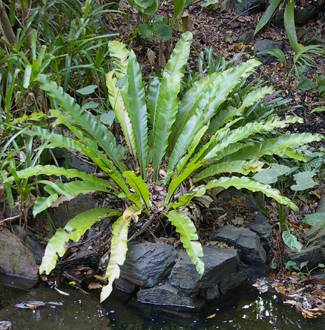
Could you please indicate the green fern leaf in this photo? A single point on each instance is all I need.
(224, 116)
(56, 247)
(274, 4)
(56, 171)
(87, 147)
(77, 226)
(43, 203)
(246, 183)
(67, 189)
(196, 141)
(237, 166)
(189, 238)
(139, 186)
(201, 103)
(73, 230)
(103, 137)
(152, 102)
(289, 25)
(119, 249)
(119, 54)
(281, 146)
(167, 104)
(118, 105)
(186, 198)
(248, 130)
(138, 111)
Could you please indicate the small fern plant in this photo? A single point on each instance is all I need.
(185, 145)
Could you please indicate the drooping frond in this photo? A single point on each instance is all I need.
(118, 249)
(249, 184)
(237, 166)
(73, 231)
(189, 238)
(102, 136)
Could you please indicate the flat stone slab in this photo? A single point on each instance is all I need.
(219, 263)
(167, 295)
(148, 263)
(247, 241)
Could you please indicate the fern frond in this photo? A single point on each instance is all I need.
(197, 112)
(249, 184)
(118, 105)
(237, 166)
(50, 170)
(73, 230)
(250, 129)
(281, 146)
(224, 116)
(189, 238)
(67, 189)
(87, 147)
(118, 249)
(139, 186)
(103, 137)
(137, 110)
(167, 103)
(185, 199)
(119, 55)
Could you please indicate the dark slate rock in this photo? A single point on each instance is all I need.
(212, 293)
(262, 45)
(218, 264)
(305, 14)
(31, 242)
(15, 258)
(232, 281)
(302, 14)
(73, 161)
(167, 295)
(125, 286)
(249, 244)
(314, 253)
(148, 263)
(315, 236)
(263, 229)
(245, 7)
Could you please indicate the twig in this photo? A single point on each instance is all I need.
(10, 218)
(143, 229)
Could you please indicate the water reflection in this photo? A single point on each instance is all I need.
(243, 309)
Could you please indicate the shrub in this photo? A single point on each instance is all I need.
(176, 143)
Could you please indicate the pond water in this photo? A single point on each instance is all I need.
(243, 308)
